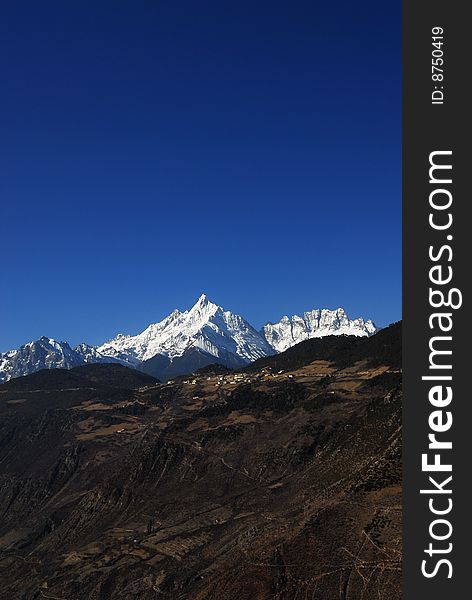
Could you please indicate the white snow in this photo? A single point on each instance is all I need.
(206, 326)
(316, 323)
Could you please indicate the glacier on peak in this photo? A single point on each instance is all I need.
(205, 326)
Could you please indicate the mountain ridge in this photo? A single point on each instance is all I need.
(185, 341)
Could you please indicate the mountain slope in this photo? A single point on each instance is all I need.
(191, 360)
(84, 376)
(384, 347)
(228, 486)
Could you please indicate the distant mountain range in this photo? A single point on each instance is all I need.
(186, 341)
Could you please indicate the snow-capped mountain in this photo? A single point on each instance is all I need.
(47, 353)
(44, 353)
(184, 341)
(205, 326)
(315, 323)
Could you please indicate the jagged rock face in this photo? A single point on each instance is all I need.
(200, 336)
(45, 353)
(316, 323)
(229, 485)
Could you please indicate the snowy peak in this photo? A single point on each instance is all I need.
(205, 326)
(202, 302)
(45, 353)
(203, 310)
(315, 323)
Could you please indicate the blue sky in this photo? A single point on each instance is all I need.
(151, 151)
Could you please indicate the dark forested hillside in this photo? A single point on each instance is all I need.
(281, 482)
